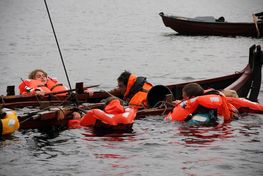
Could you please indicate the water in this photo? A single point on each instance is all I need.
(100, 39)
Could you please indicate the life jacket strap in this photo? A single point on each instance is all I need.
(53, 87)
(212, 92)
(137, 86)
(144, 90)
(41, 85)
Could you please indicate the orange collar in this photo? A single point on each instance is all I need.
(131, 81)
(114, 107)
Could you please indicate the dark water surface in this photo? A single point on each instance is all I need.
(99, 39)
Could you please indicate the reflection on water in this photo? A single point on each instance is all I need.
(153, 144)
(204, 135)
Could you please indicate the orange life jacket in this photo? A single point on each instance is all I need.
(188, 107)
(54, 86)
(240, 103)
(29, 86)
(74, 123)
(114, 114)
(137, 90)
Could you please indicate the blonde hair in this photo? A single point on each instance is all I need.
(32, 75)
(230, 93)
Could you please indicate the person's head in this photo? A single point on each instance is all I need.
(123, 81)
(38, 74)
(192, 90)
(230, 93)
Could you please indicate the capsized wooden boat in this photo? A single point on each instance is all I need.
(246, 82)
(210, 26)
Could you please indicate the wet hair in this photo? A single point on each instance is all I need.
(193, 90)
(124, 77)
(230, 93)
(34, 72)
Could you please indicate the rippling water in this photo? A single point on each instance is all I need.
(100, 39)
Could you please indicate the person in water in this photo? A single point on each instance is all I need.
(197, 100)
(189, 91)
(133, 89)
(242, 104)
(192, 90)
(225, 102)
(39, 83)
(113, 114)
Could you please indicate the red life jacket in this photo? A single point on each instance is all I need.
(113, 114)
(241, 103)
(137, 90)
(188, 107)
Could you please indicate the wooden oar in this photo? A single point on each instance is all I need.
(70, 90)
(54, 112)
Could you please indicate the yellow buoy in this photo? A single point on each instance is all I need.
(9, 123)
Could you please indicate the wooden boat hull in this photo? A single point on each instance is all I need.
(246, 82)
(188, 26)
(244, 79)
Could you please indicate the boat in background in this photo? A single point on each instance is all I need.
(212, 26)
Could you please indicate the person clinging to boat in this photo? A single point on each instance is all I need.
(39, 83)
(133, 89)
(113, 114)
(242, 104)
(211, 102)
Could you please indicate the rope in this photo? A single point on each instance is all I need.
(45, 109)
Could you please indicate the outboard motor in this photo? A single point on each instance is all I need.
(157, 94)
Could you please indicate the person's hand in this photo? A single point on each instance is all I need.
(61, 114)
(176, 102)
(39, 92)
(76, 116)
(89, 91)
